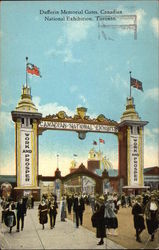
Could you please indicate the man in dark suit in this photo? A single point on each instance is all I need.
(69, 203)
(20, 214)
(78, 209)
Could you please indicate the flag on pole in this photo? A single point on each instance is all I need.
(101, 141)
(136, 83)
(33, 70)
(94, 143)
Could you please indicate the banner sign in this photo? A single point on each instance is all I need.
(26, 158)
(134, 159)
(72, 126)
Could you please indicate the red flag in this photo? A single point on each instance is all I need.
(101, 141)
(136, 83)
(94, 143)
(32, 69)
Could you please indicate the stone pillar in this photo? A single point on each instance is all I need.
(26, 119)
(131, 147)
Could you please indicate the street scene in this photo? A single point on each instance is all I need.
(65, 234)
(79, 125)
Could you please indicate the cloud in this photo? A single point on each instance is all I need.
(151, 153)
(151, 147)
(109, 68)
(140, 14)
(152, 94)
(54, 108)
(155, 26)
(73, 88)
(156, 131)
(5, 121)
(72, 33)
(84, 100)
(69, 57)
(77, 31)
(65, 54)
(51, 108)
(7, 164)
(118, 80)
(60, 41)
(140, 18)
(151, 133)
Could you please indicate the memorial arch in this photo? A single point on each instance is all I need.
(29, 124)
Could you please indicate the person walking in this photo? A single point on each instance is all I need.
(110, 218)
(63, 208)
(152, 216)
(98, 220)
(69, 203)
(92, 202)
(123, 200)
(43, 210)
(20, 214)
(81, 208)
(32, 201)
(9, 219)
(77, 209)
(52, 212)
(137, 212)
(25, 200)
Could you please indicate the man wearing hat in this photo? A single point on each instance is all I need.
(137, 212)
(78, 208)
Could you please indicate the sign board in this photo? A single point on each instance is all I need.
(26, 157)
(134, 159)
(73, 126)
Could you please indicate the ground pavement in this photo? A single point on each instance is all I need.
(64, 236)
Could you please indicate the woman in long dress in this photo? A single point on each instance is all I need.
(152, 216)
(9, 219)
(43, 210)
(99, 222)
(137, 212)
(111, 221)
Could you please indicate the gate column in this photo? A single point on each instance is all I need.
(131, 148)
(26, 119)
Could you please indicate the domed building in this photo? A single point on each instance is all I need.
(97, 163)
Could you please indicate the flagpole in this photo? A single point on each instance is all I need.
(57, 160)
(99, 145)
(130, 82)
(26, 72)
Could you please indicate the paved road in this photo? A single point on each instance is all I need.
(63, 236)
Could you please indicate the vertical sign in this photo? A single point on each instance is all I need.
(134, 160)
(26, 157)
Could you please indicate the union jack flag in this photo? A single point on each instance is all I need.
(136, 83)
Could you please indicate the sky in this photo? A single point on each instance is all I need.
(82, 64)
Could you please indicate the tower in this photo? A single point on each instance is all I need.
(26, 118)
(131, 148)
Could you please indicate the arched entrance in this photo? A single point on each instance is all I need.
(81, 171)
(29, 124)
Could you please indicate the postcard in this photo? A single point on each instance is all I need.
(78, 112)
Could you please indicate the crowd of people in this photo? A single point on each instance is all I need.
(68, 203)
(145, 211)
